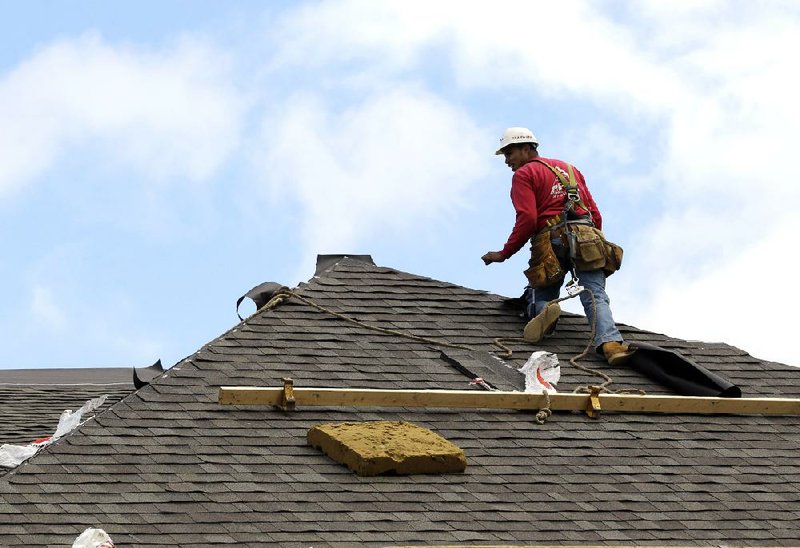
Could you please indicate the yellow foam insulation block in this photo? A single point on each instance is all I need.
(381, 447)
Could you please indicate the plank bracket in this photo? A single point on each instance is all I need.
(593, 406)
(287, 396)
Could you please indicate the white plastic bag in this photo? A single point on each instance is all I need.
(93, 538)
(542, 372)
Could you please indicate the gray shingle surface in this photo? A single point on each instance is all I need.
(169, 466)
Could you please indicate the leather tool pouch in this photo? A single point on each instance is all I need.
(544, 267)
(590, 248)
(613, 258)
(593, 251)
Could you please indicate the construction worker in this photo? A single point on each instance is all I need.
(556, 211)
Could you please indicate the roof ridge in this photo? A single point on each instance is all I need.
(366, 267)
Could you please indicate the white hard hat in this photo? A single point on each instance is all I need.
(514, 135)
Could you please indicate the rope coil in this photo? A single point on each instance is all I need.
(544, 413)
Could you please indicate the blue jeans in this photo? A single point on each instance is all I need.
(594, 281)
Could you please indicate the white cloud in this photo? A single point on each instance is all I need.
(597, 140)
(393, 161)
(342, 31)
(504, 49)
(747, 298)
(167, 113)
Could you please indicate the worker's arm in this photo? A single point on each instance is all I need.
(524, 201)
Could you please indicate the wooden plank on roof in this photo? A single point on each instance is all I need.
(359, 397)
(617, 403)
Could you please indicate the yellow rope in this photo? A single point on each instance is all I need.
(283, 294)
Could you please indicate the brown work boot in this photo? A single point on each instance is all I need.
(542, 324)
(616, 353)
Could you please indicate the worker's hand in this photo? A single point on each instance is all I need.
(493, 257)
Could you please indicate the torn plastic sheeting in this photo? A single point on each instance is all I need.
(93, 538)
(542, 372)
(69, 421)
(675, 371)
(12, 456)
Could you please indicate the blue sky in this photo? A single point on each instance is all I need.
(159, 159)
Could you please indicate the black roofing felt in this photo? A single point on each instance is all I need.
(169, 466)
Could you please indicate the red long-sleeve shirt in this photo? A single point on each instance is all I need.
(538, 195)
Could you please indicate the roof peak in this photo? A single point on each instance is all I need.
(324, 262)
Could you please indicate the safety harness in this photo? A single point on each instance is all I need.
(569, 216)
(573, 198)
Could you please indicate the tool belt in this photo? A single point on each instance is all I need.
(581, 244)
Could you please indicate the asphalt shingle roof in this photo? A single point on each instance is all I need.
(168, 465)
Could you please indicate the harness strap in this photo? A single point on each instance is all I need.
(570, 187)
